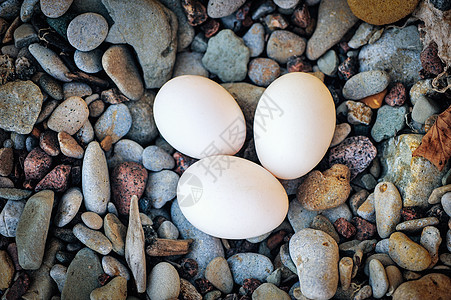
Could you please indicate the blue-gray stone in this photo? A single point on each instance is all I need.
(156, 159)
(397, 52)
(285, 258)
(299, 217)
(254, 39)
(125, 150)
(9, 217)
(115, 122)
(143, 130)
(365, 84)
(389, 121)
(161, 187)
(250, 265)
(204, 247)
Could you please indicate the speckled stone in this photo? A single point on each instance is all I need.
(408, 254)
(227, 56)
(164, 282)
(20, 104)
(381, 13)
(92, 220)
(430, 286)
(93, 239)
(378, 279)
(355, 152)
(325, 190)
(32, 229)
(263, 71)
(95, 179)
(341, 132)
(116, 121)
(127, 179)
(76, 88)
(119, 65)
(431, 240)
(334, 20)
(50, 62)
(87, 31)
(315, 254)
(387, 204)
(6, 270)
(283, 44)
(37, 164)
(56, 180)
(365, 84)
(54, 9)
(249, 265)
(415, 177)
(396, 95)
(69, 116)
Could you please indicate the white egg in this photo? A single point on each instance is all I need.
(232, 198)
(293, 125)
(198, 117)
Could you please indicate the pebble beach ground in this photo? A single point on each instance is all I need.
(88, 185)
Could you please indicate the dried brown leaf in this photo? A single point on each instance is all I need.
(436, 143)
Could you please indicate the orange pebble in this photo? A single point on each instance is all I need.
(375, 101)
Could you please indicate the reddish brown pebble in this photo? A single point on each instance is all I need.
(347, 68)
(203, 285)
(411, 213)
(12, 251)
(6, 161)
(19, 287)
(345, 228)
(356, 152)
(263, 71)
(127, 179)
(397, 95)
(36, 133)
(276, 21)
(189, 268)
(430, 61)
(113, 96)
(250, 285)
(274, 240)
(195, 12)
(301, 16)
(49, 143)
(298, 64)
(182, 162)
(107, 143)
(365, 229)
(103, 279)
(37, 164)
(56, 180)
(69, 146)
(210, 28)
(243, 11)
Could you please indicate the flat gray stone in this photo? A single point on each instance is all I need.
(283, 44)
(388, 205)
(365, 84)
(154, 39)
(68, 206)
(161, 187)
(93, 239)
(125, 150)
(227, 56)
(32, 229)
(82, 276)
(25, 35)
(189, 63)
(10, 216)
(115, 122)
(87, 31)
(143, 130)
(50, 62)
(221, 8)
(389, 121)
(249, 265)
(378, 279)
(397, 52)
(55, 9)
(164, 282)
(185, 32)
(156, 159)
(90, 61)
(254, 39)
(20, 105)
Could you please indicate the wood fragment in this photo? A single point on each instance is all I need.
(166, 247)
(9, 35)
(86, 78)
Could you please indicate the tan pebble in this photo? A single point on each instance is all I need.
(408, 254)
(107, 143)
(92, 220)
(69, 146)
(345, 268)
(341, 132)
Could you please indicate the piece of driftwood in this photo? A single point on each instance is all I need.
(87, 78)
(166, 247)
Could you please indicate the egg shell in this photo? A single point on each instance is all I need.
(232, 198)
(198, 117)
(293, 125)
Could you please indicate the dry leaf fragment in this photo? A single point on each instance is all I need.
(436, 143)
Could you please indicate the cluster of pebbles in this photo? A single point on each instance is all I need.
(88, 187)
